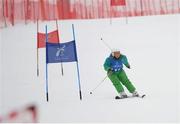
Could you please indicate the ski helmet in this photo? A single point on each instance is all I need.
(114, 50)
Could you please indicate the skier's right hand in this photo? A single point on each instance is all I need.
(110, 71)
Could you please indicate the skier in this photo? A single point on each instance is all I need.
(114, 67)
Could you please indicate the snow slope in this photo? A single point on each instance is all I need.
(179, 65)
(0, 72)
(150, 43)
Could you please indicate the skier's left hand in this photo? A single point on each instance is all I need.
(128, 66)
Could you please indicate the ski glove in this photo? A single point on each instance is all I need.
(110, 71)
(128, 66)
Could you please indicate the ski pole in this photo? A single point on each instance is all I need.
(106, 44)
(100, 83)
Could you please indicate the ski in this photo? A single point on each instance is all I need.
(140, 96)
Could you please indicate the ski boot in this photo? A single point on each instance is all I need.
(135, 94)
(122, 96)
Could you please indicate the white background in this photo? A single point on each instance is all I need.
(179, 65)
(150, 43)
(0, 72)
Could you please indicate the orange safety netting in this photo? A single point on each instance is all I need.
(14, 11)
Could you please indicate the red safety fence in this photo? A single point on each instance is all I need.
(15, 11)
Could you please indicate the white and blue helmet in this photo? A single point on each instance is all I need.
(114, 50)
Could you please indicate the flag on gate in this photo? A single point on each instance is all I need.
(53, 37)
(118, 2)
(61, 52)
(41, 40)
